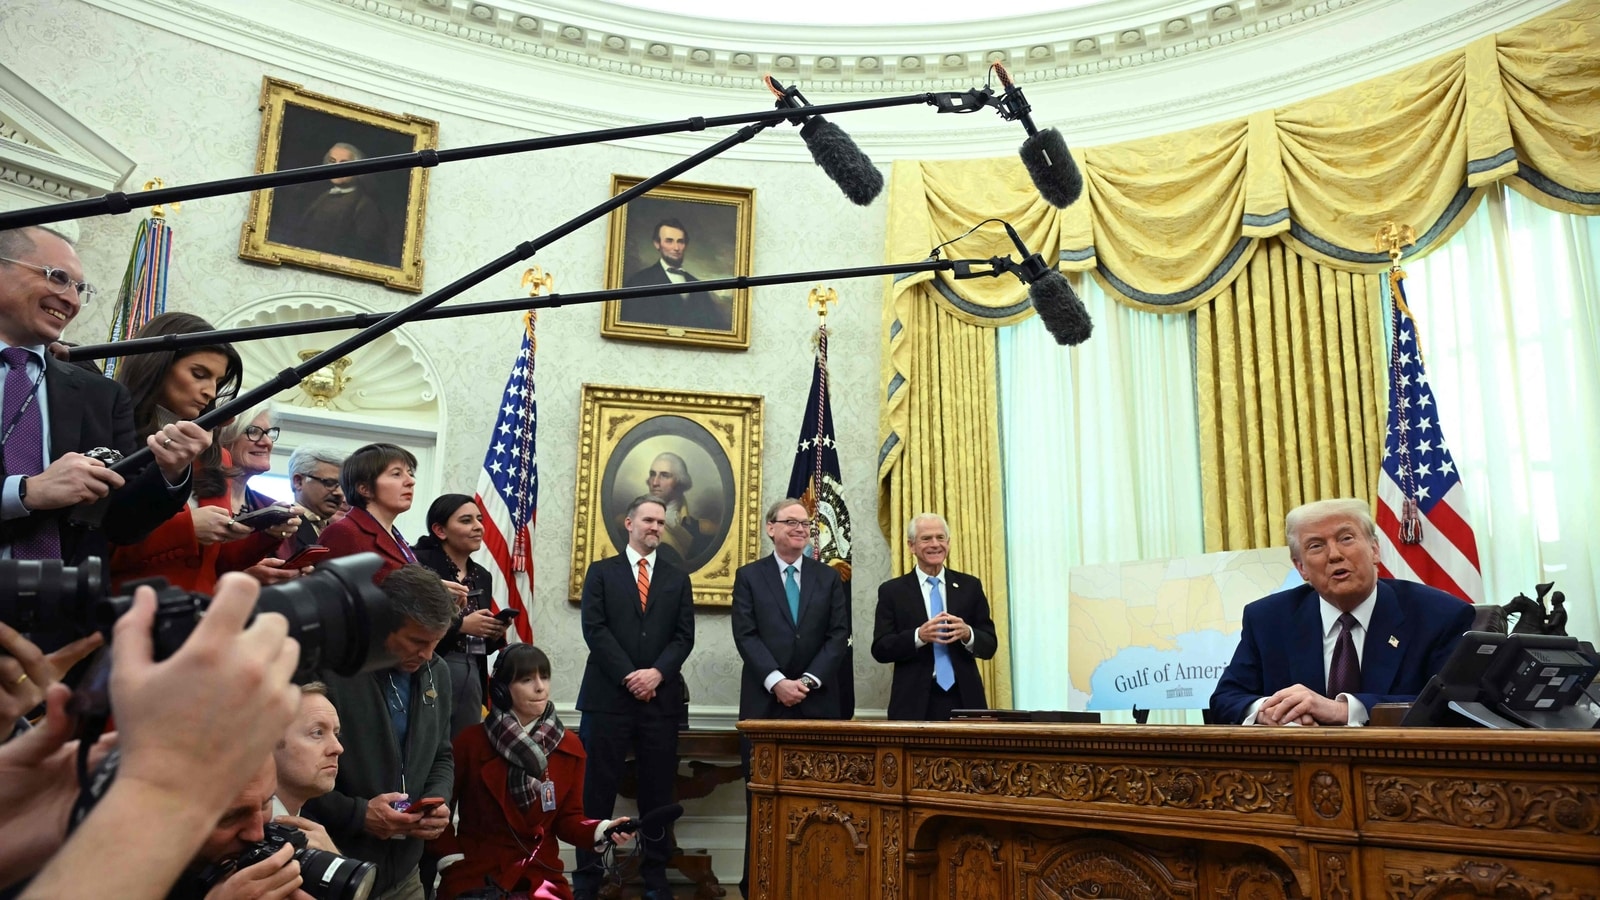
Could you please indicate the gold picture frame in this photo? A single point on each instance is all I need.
(711, 226)
(367, 227)
(623, 432)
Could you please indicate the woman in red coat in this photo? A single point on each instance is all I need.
(379, 480)
(519, 787)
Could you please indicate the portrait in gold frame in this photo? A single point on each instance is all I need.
(714, 509)
(712, 227)
(368, 226)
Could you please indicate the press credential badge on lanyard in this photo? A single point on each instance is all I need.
(547, 795)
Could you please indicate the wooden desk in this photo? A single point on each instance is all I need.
(1000, 812)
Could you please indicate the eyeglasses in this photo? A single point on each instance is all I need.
(252, 433)
(58, 278)
(331, 484)
(793, 523)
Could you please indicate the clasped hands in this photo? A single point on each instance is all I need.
(1300, 705)
(944, 629)
(642, 683)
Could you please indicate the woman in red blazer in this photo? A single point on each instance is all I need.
(379, 480)
(519, 787)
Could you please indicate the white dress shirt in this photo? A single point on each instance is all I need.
(1330, 640)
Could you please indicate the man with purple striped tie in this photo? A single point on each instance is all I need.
(933, 625)
(52, 412)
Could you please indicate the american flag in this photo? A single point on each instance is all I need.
(1430, 540)
(508, 487)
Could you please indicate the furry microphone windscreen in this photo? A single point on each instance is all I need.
(1060, 309)
(842, 160)
(1050, 165)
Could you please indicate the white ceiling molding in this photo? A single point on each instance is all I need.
(1155, 66)
(47, 156)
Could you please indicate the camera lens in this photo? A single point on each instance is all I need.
(43, 596)
(337, 614)
(329, 876)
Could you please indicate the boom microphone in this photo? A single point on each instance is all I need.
(832, 150)
(654, 820)
(1044, 153)
(1052, 296)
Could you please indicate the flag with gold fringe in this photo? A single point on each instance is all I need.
(1423, 532)
(816, 481)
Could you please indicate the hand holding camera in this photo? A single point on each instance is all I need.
(198, 724)
(274, 876)
(38, 785)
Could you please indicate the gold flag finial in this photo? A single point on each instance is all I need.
(157, 211)
(1393, 239)
(538, 281)
(818, 299)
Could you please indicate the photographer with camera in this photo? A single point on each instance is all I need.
(222, 871)
(193, 730)
(394, 784)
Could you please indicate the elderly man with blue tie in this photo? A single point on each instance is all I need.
(933, 625)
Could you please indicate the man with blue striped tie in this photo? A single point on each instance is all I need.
(933, 625)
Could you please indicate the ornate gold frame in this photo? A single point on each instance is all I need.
(276, 97)
(640, 422)
(694, 199)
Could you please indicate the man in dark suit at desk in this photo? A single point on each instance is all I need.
(55, 411)
(691, 310)
(1324, 652)
(791, 624)
(638, 620)
(933, 624)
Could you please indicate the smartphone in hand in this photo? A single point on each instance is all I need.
(506, 615)
(306, 557)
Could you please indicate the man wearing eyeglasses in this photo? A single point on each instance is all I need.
(791, 624)
(314, 479)
(54, 411)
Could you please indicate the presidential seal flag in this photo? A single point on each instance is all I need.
(508, 488)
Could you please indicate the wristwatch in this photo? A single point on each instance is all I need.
(809, 682)
(22, 492)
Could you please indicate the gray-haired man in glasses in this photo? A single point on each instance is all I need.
(53, 413)
(314, 478)
(791, 625)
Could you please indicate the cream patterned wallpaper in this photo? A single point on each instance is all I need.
(186, 112)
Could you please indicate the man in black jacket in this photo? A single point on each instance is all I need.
(55, 412)
(397, 742)
(638, 620)
(933, 624)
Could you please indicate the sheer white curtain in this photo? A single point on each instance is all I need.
(1102, 464)
(1509, 317)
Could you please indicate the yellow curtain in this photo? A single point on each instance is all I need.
(1289, 387)
(1263, 226)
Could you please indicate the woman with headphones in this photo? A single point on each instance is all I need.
(519, 787)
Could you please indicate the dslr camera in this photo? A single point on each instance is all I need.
(336, 613)
(323, 875)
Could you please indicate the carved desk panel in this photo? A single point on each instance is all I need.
(974, 811)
